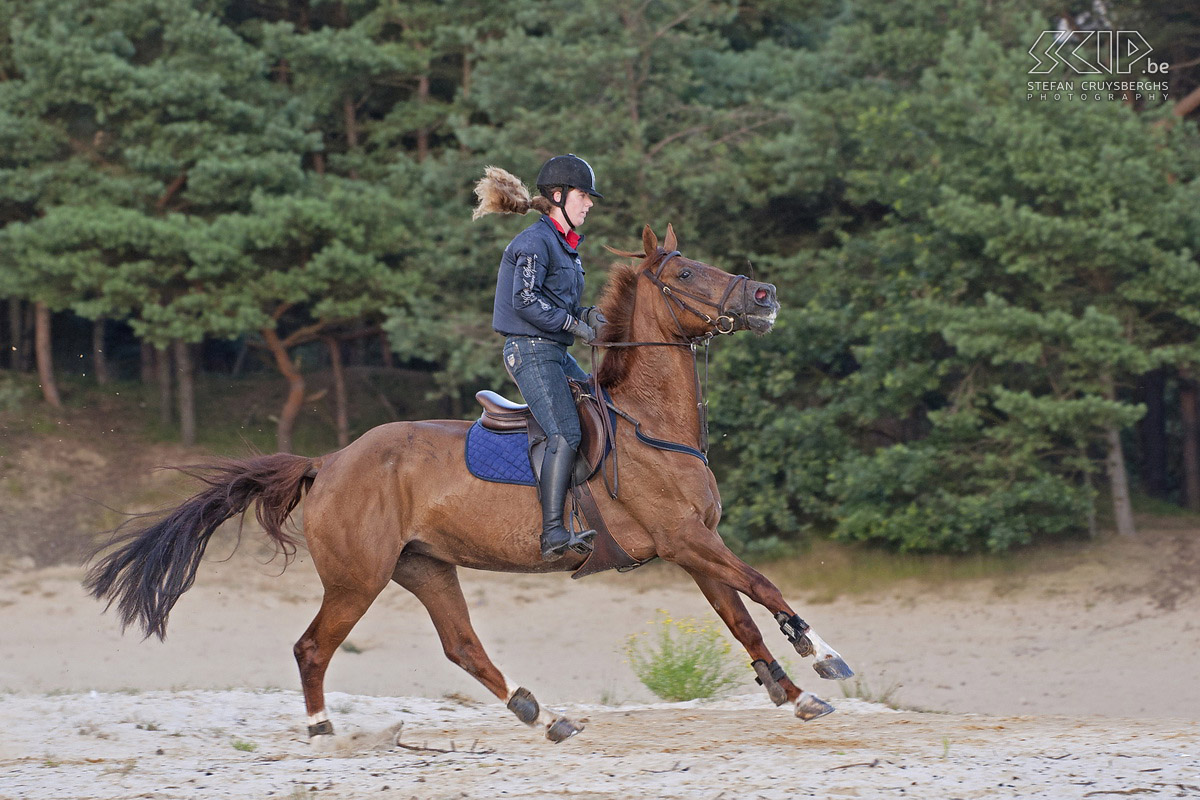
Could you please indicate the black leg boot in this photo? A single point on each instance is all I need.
(557, 464)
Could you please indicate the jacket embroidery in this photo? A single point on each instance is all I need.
(528, 278)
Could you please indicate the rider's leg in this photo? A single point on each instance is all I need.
(540, 367)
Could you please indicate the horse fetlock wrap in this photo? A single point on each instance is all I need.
(828, 663)
(526, 708)
(770, 676)
(319, 725)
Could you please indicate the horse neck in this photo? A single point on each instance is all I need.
(659, 388)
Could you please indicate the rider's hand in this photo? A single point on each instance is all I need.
(582, 330)
(592, 316)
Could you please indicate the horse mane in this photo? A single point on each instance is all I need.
(617, 304)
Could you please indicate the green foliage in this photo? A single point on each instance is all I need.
(683, 659)
(947, 384)
(972, 281)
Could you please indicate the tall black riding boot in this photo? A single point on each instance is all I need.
(557, 464)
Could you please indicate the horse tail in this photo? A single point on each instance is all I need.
(156, 561)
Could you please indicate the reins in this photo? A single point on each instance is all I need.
(724, 323)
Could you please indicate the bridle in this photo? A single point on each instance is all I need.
(723, 323)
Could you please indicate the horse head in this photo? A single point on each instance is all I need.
(702, 299)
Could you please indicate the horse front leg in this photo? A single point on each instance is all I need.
(700, 551)
(729, 606)
(435, 583)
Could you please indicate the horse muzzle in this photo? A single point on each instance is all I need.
(758, 307)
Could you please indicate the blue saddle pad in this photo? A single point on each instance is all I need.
(499, 457)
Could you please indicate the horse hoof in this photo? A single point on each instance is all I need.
(562, 729)
(833, 668)
(524, 705)
(809, 707)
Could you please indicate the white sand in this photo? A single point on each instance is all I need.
(1063, 688)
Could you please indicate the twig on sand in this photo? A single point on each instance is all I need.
(475, 750)
(1119, 791)
(674, 768)
(874, 763)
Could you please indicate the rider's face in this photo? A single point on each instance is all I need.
(577, 206)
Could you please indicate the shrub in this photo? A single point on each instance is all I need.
(12, 394)
(683, 659)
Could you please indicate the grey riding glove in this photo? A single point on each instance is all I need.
(582, 330)
(593, 317)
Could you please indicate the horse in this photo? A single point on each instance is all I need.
(398, 504)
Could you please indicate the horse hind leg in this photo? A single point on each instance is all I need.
(340, 610)
(435, 584)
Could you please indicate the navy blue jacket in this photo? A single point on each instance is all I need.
(540, 285)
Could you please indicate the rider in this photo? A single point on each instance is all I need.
(538, 294)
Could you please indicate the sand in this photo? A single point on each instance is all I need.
(1066, 683)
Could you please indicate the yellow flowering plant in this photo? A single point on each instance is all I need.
(683, 659)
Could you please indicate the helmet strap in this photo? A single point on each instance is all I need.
(562, 205)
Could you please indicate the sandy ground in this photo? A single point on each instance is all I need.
(1068, 683)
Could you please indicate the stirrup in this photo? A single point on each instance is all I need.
(580, 542)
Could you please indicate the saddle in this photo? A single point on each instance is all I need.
(504, 416)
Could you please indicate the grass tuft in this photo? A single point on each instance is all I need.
(683, 659)
(861, 689)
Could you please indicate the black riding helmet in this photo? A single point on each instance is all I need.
(566, 172)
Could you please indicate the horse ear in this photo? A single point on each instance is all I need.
(669, 244)
(649, 240)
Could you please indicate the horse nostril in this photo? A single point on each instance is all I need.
(761, 295)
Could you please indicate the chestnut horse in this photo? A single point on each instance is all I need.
(399, 504)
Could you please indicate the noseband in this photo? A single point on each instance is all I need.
(724, 322)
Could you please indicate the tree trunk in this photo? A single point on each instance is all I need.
(339, 391)
(146, 357)
(162, 366)
(28, 337)
(1118, 479)
(187, 392)
(385, 349)
(295, 398)
(45, 358)
(1153, 430)
(350, 120)
(99, 359)
(1119, 484)
(1191, 444)
(14, 333)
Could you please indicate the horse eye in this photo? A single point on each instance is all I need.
(684, 274)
